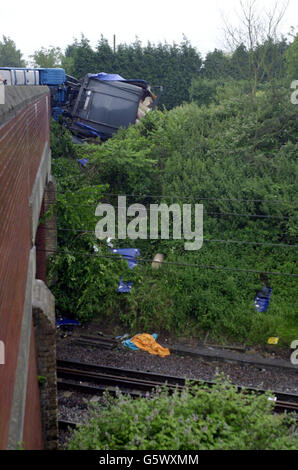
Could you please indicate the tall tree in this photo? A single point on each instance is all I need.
(216, 64)
(171, 66)
(80, 58)
(240, 63)
(105, 56)
(258, 32)
(292, 60)
(51, 57)
(10, 56)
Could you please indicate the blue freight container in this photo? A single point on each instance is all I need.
(52, 76)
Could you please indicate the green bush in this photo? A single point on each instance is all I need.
(199, 418)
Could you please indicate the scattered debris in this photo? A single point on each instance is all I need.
(272, 399)
(124, 286)
(67, 322)
(110, 245)
(83, 162)
(144, 107)
(148, 343)
(262, 299)
(157, 261)
(95, 398)
(126, 335)
(273, 340)
(130, 255)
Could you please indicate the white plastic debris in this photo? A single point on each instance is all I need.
(110, 245)
(272, 399)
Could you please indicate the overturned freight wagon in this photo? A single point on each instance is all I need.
(94, 107)
(107, 102)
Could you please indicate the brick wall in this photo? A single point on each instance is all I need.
(24, 136)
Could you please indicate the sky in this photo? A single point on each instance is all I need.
(35, 24)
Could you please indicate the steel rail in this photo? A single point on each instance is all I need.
(139, 383)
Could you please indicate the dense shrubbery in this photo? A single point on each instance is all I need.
(238, 155)
(199, 418)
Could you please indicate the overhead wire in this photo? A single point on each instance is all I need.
(229, 214)
(279, 245)
(209, 240)
(187, 198)
(174, 263)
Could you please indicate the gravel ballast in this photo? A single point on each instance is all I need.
(73, 407)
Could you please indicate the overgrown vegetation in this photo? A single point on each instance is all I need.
(199, 418)
(233, 148)
(237, 156)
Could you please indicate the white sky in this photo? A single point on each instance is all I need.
(34, 24)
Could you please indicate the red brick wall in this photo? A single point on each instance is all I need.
(40, 243)
(22, 141)
(32, 438)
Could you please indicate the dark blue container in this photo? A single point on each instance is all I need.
(262, 299)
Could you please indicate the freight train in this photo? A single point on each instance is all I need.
(92, 108)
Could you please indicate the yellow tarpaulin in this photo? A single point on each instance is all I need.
(147, 343)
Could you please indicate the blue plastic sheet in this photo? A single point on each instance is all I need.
(262, 299)
(109, 77)
(130, 255)
(114, 77)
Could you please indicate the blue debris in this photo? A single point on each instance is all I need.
(67, 322)
(83, 161)
(262, 299)
(124, 286)
(130, 254)
(126, 335)
(91, 129)
(128, 343)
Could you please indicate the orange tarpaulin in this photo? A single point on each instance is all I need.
(147, 343)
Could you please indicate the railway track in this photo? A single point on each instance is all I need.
(95, 379)
(209, 353)
(98, 342)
